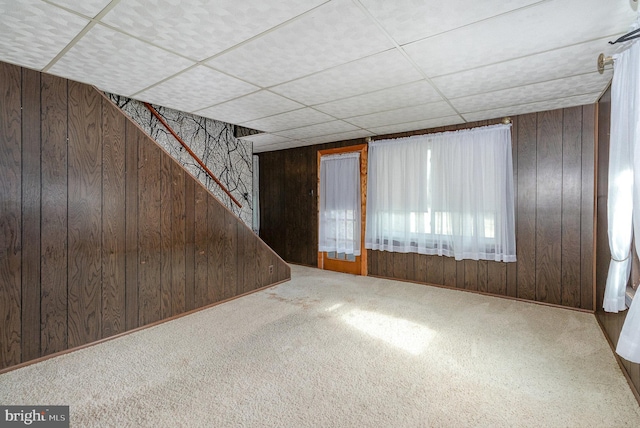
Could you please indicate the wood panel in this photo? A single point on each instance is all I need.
(470, 274)
(526, 206)
(497, 278)
(166, 235)
(230, 255)
(217, 266)
(201, 230)
(178, 240)
(31, 188)
(249, 262)
(483, 279)
(449, 272)
(549, 207)
(113, 219)
(10, 215)
(571, 206)
(587, 226)
(85, 214)
(134, 139)
(190, 245)
(149, 236)
(53, 206)
(435, 270)
(98, 224)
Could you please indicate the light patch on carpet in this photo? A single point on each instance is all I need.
(406, 335)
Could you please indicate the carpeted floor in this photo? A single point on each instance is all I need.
(333, 350)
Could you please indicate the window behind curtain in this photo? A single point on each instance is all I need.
(448, 194)
(340, 204)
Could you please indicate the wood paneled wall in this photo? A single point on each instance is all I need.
(101, 231)
(553, 158)
(610, 322)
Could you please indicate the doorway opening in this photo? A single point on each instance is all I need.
(342, 209)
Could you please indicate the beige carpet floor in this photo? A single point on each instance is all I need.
(333, 350)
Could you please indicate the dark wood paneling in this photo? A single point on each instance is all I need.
(230, 255)
(166, 235)
(549, 207)
(217, 264)
(85, 214)
(526, 206)
(420, 266)
(571, 206)
(134, 137)
(249, 261)
(10, 215)
(149, 240)
(497, 277)
(98, 224)
(190, 247)
(449, 272)
(178, 240)
(53, 207)
(113, 221)
(483, 279)
(31, 188)
(470, 274)
(201, 247)
(435, 270)
(587, 225)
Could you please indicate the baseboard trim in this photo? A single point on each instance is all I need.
(125, 333)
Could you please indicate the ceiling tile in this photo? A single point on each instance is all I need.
(292, 119)
(89, 8)
(195, 89)
(343, 136)
(410, 20)
(523, 32)
(420, 92)
(264, 139)
(404, 115)
(318, 130)
(250, 107)
(201, 28)
(570, 86)
(421, 124)
(555, 64)
(278, 146)
(333, 34)
(117, 63)
(32, 33)
(376, 72)
(533, 107)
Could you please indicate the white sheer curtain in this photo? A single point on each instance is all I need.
(624, 196)
(340, 204)
(449, 194)
(620, 200)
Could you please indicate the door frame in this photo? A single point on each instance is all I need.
(361, 261)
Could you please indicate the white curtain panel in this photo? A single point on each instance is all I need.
(621, 178)
(340, 204)
(625, 97)
(448, 194)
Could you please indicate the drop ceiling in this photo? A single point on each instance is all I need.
(313, 71)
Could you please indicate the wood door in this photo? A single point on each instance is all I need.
(356, 265)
